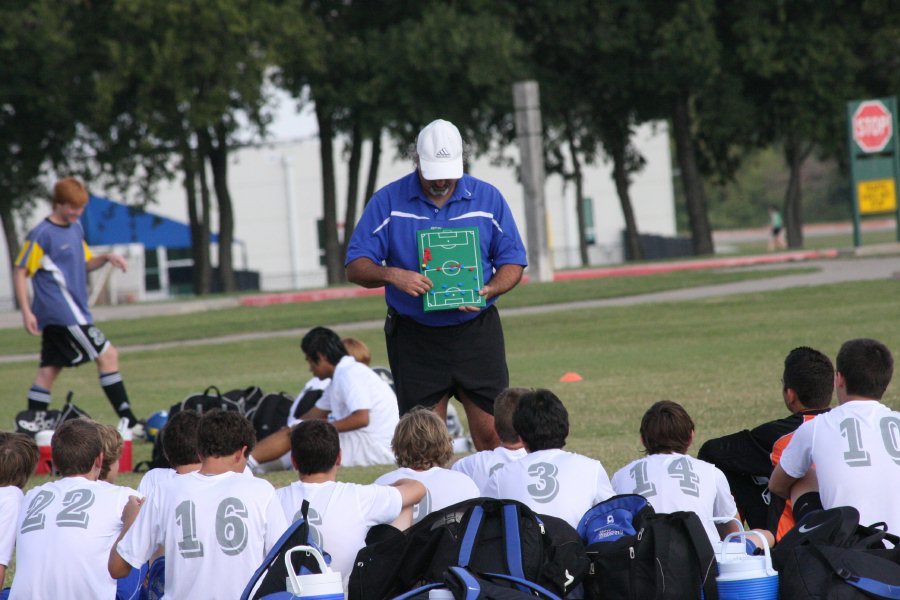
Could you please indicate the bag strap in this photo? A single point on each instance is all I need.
(706, 555)
(470, 535)
(523, 584)
(867, 584)
(512, 541)
(472, 587)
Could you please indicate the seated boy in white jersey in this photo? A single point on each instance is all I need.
(67, 527)
(481, 465)
(361, 406)
(216, 524)
(19, 456)
(340, 514)
(548, 479)
(422, 446)
(179, 445)
(273, 453)
(673, 481)
(849, 456)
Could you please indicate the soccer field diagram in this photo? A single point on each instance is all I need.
(451, 259)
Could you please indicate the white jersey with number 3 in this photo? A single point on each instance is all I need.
(216, 530)
(553, 482)
(856, 450)
(674, 482)
(65, 531)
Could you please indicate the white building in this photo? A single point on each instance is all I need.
(277, 194)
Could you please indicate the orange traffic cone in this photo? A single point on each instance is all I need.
(570, 376)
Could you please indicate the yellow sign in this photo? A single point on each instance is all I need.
(877, 196)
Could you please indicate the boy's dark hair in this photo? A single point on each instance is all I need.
(666, 428)
(811, 375)
(224, 432)
(866, 366)
(321, 340)
(75, 447)
(541, 420)
(504, 408)
(19, 456)
(179, 438)
(314, 446)
(421, 440)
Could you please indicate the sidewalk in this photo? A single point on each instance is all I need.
(832, 269)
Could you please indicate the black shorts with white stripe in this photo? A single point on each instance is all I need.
(71, 346)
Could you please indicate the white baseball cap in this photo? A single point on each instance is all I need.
(440, 150)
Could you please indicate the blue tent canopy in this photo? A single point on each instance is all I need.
(107, 222)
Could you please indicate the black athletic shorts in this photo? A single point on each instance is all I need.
(428, 362)
(71, 346)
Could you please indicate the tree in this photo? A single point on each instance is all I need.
(182, 77)
(589, 69)
(800, 63)
(41, 92)
(378, 68)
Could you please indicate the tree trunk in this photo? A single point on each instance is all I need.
(334, 263)
(695, 195)
(12, 241)
(579, 195)
(620, 177)
(374, 163)
(205, 268)
(199, 248)
(352, 185)
(218, 160)
(795, 156)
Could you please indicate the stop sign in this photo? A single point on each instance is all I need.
(873, 126)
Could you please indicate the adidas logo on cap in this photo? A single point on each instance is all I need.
(442, 153)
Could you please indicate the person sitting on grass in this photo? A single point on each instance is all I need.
(548, 479)
(179, 445)
(273, 452)
(340, 514)
(68, 526)
(19, 456)
(747, 457)
(216, 524)
(423, 447)
(673, 481)
(481, 465)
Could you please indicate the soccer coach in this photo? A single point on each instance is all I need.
(436, 354)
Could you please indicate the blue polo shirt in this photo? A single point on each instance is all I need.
(387, 233)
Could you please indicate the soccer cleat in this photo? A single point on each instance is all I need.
(138, 431)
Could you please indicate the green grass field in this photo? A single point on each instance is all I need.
(721, 357)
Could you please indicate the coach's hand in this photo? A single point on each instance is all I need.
(414, 284)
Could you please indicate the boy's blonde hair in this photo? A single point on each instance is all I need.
(112, 447)
(358, 350)
(421, 440)
(70, 191)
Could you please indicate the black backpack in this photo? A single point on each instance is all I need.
(655, 556)
(466, 585)
(211, 398)
(484, 535)
(830, 555)
(268, 412)
(30, 421)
